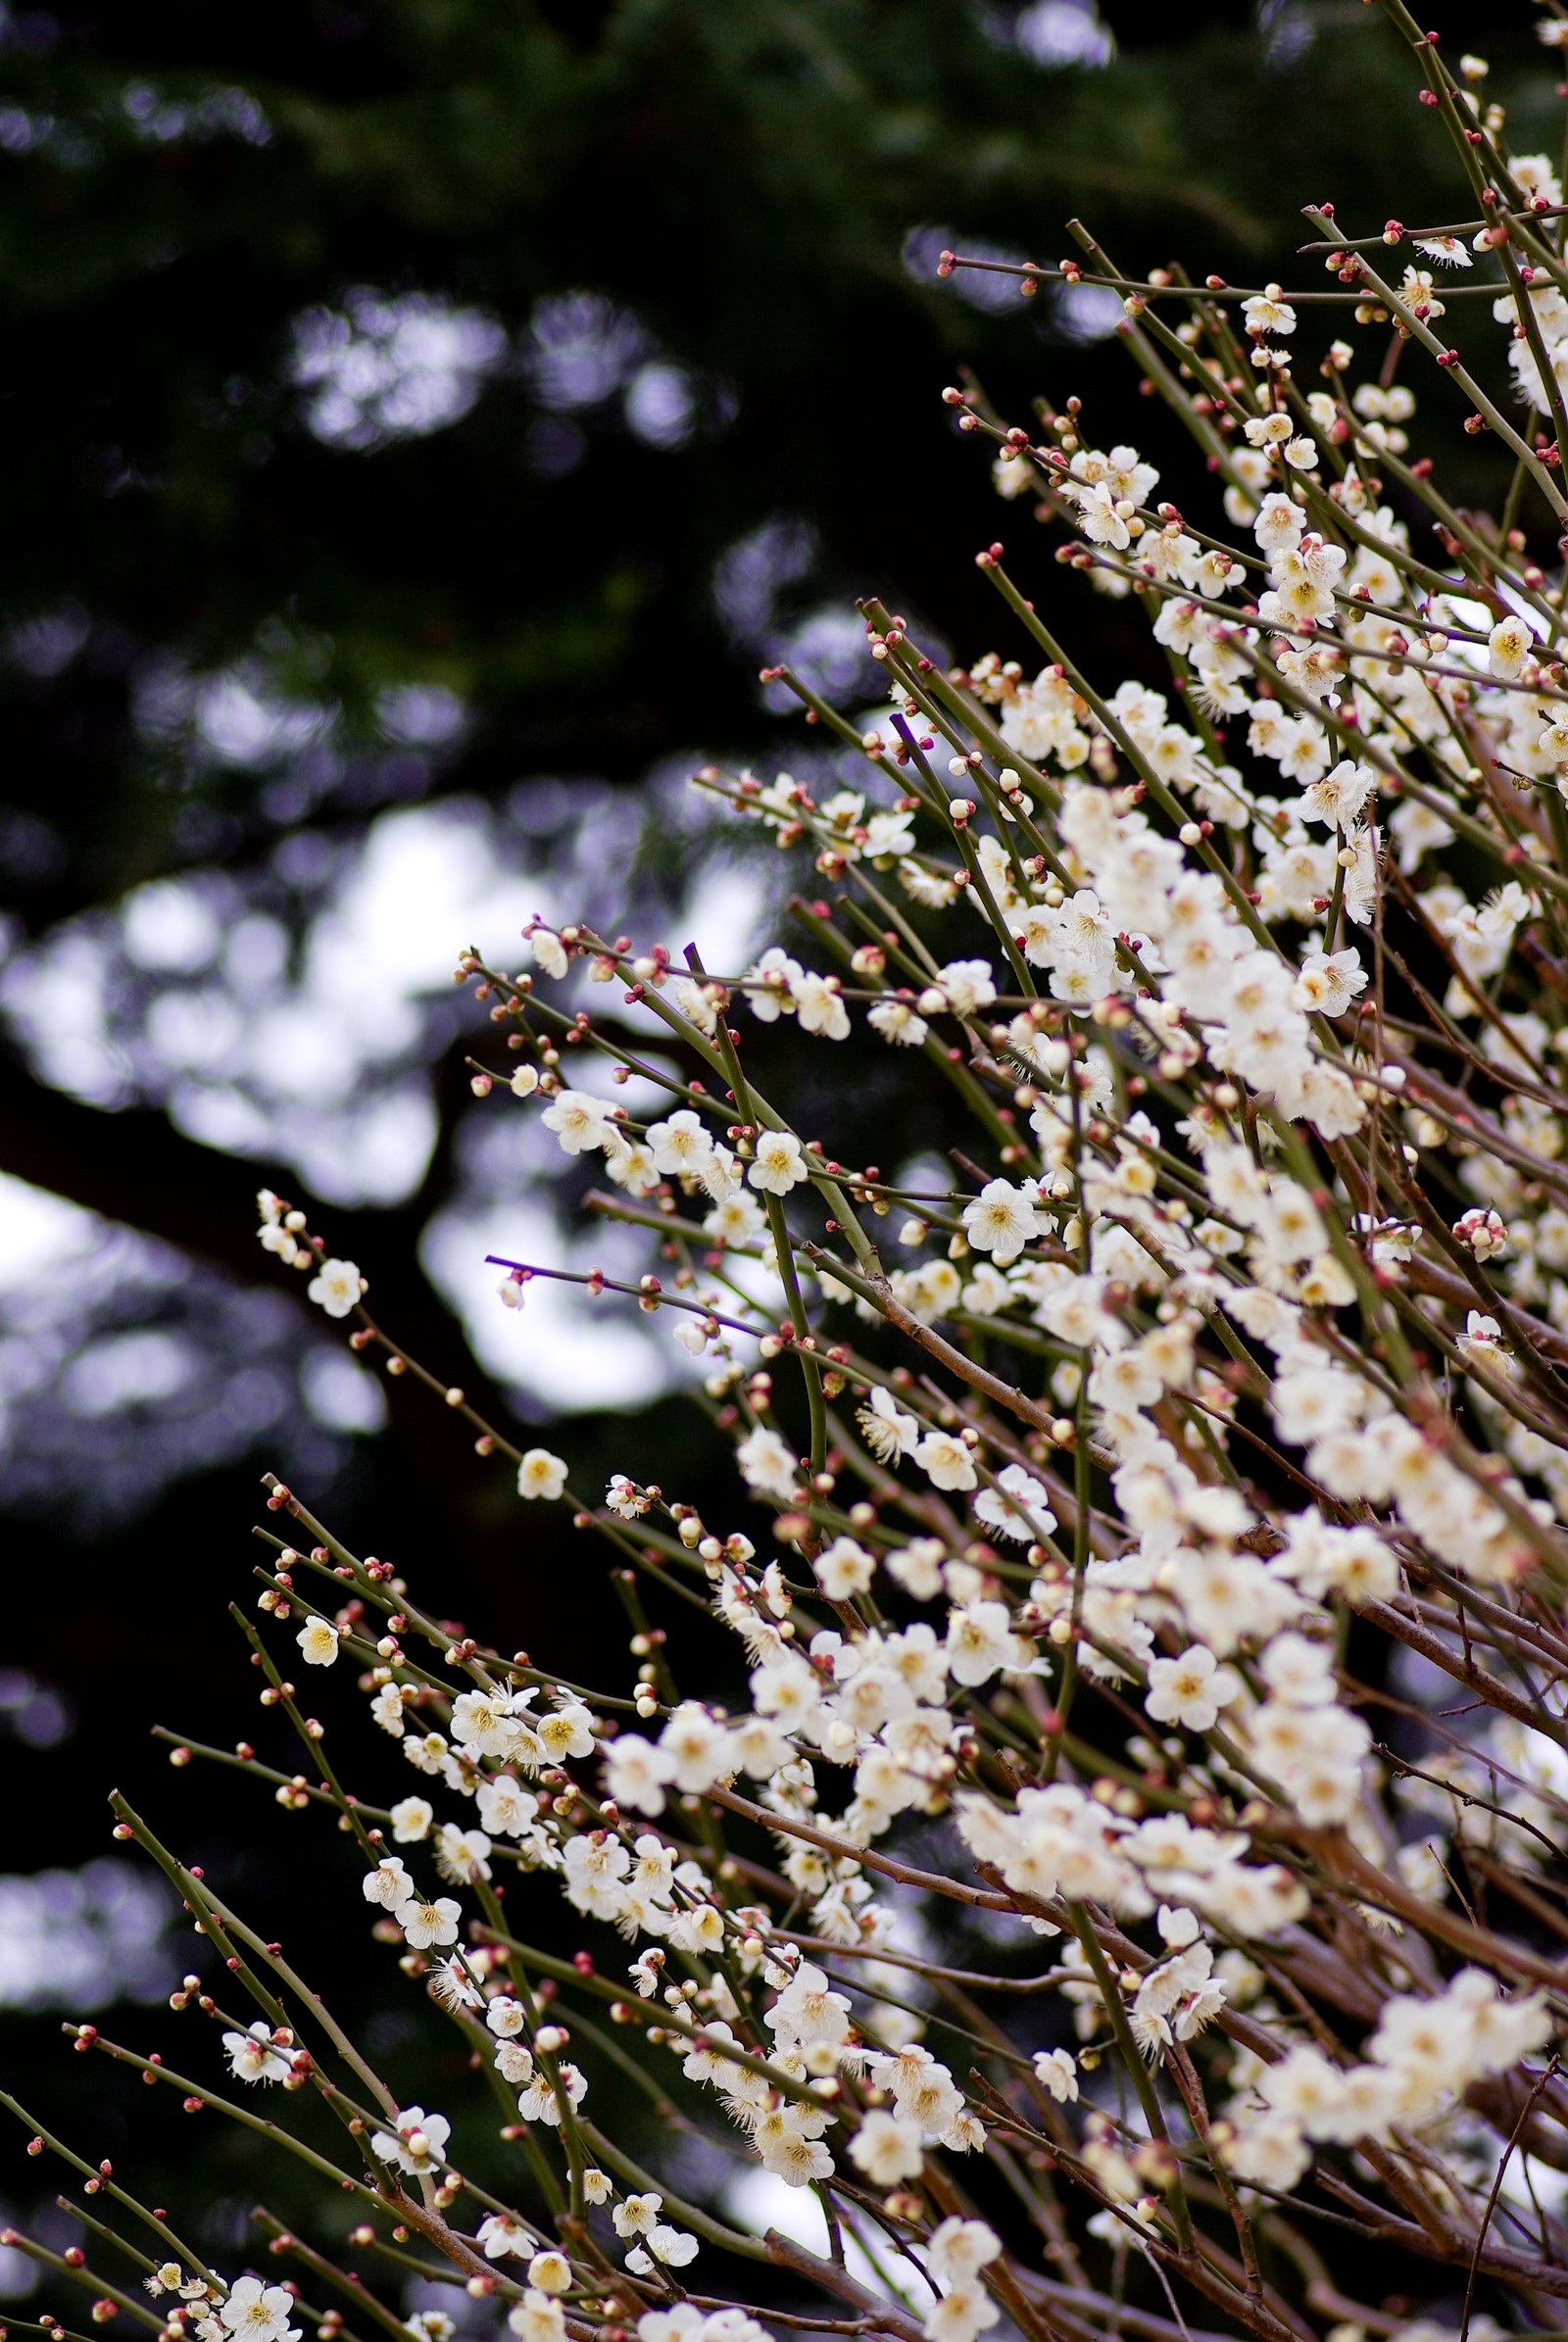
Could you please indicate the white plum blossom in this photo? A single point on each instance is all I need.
(844, 1569)
(547, 951)
(1018, 1507)
(637, 1774)
(1002, 1220)
(1338, 797)
(417, 2144)
(966, 986)
(255, 2056)
(428, 1924)
(680, 1145)
(318, 1642)
(818, 1008)
(388, 1885)
(981, 1641)
(1190, 1690)
(887, 2148)
(336, 1287)
(888, 1431)
(946, 1461)
(254, 2311)
(541, 1473)
(898, 1023)
(771, 984)
(537, 2317)
(579, 1122)
(778, 1164)
(1508, 645)
(766, 1463)
(1057, 2070)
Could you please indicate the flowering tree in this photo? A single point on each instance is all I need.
(1120, 1876)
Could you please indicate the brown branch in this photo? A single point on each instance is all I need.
(1474, 1678)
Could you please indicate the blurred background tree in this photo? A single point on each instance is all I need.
(419, 422)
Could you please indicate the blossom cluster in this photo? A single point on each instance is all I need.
(1131, 1813)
